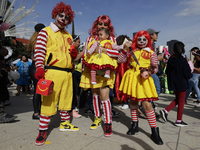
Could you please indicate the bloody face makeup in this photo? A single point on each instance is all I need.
(142, 42)
(61, 20)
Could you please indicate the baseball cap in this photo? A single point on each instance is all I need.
(152, 31)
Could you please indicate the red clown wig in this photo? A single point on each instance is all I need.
(60, 8)
(139, 34)
(105, 19)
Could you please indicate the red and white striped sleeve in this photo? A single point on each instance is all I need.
(85, 46)
(122, 57)
(112, 52)
(40, 49)
(154, 61)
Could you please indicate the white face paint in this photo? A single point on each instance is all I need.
(61, 20)
(142, 42)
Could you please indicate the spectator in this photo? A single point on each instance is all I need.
(23, 69)
(4, 118)
(178, 72)
(32, 70)
(193, 82)
(76, 76)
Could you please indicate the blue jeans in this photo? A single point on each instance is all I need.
(157, 83)
(193, 82)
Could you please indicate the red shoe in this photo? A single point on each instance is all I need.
(107, 129)
(41, 137)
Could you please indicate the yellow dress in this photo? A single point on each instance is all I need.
(97, 62)
(101, 81)
(135, 87)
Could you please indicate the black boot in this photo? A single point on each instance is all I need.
(155, 136)
(133, 129)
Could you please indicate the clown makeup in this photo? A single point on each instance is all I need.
(101, 25)
(61, 20)
(142, 42)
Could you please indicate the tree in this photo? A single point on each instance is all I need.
(73, 30)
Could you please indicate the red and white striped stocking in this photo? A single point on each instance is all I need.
(107, 111)
(151, 118)
(97, 105)
(44, 122)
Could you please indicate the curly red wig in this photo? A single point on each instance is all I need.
(105, 19)
(61, 7)
(139, 34)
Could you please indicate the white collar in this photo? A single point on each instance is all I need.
(146, 49)
(54, 27)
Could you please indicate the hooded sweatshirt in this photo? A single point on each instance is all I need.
(178, 73)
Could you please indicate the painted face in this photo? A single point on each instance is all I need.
(142, 42)
(61, 20)
(102, 35)
(102, 25)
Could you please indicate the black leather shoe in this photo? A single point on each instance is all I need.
(155, 136)
(36, 117)
(133, 129)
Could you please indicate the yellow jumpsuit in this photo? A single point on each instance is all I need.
(58, 44)
(133, 85)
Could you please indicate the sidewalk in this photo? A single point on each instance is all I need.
(21, 134)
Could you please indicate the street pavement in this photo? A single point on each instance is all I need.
(21, 134)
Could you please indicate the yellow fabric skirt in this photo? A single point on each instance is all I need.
(97, 62)
(135, 87)
(100, 80)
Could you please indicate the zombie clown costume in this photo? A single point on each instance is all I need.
(101, 88)
(53, 54)
(140, 88)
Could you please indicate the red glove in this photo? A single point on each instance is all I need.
(39, 74)
(73, 52)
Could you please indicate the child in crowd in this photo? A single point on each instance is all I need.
(178, 73)
(137, 88)
(101, 61)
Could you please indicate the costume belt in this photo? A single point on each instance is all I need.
(57, 68)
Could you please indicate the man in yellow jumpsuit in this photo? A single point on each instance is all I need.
(53, 57)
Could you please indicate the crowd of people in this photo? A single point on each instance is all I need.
(107, 67)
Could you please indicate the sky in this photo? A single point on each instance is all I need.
(175, 19)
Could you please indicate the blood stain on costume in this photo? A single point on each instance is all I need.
(47, 142)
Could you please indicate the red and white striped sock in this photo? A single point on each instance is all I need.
(107, 111)
(44, 122)
(64, 115)
(107, 73)
(134, 112)
(93, 76)
(97, 105)
(151, 118)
